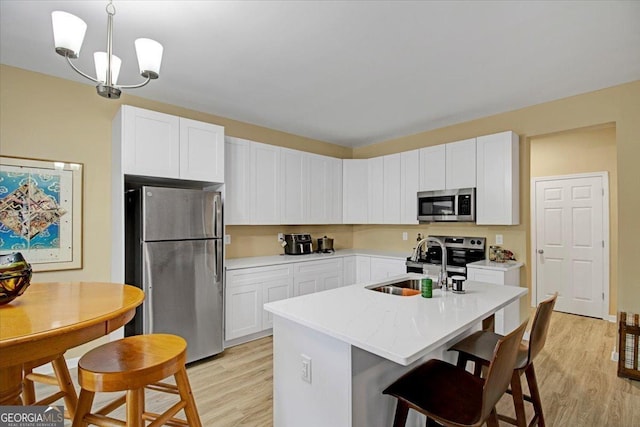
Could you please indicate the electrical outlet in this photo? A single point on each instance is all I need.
(405, 235)
(499, 240)
(280, 237)
(306, 368)
(227, 239)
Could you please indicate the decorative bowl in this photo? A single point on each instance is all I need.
(15, 276)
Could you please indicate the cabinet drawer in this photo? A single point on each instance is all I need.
(247, 276)
(482, 275)
(315, 267)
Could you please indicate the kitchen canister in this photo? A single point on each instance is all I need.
(427, 288)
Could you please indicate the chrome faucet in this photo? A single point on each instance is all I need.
(442, 277)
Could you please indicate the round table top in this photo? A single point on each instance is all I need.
(47, 310)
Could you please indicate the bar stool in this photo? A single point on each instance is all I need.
(452, 396)
(477, 348)
(132, 364)
(61, 379)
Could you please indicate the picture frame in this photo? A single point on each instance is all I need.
(41, 212)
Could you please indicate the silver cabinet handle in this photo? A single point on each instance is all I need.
(540, 251)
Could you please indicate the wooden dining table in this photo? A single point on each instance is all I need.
(50, 318)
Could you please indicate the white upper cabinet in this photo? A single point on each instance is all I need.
(376, 190)
(461, 164)
(201, 151)
(252, 182)
(409, 184)
(392, 205)
(293, 179)
(165, 146)
(355, 194)
(498, 179)
(448, 166)
(323, 195)
(150, 143)
(239, 188)
(432, 168)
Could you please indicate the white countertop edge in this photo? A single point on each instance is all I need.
(485, 264)
(404, 360)
(263, 261)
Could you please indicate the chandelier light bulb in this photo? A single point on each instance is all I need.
(68, 33)
(149, 54)
(101, 63)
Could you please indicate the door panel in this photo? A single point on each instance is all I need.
(569, 238)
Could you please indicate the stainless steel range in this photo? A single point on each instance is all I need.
(460, 252)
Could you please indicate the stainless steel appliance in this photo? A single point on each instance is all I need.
(325, 245)
(447, 205)
(460, 251)
(173, 252)
(298, 244)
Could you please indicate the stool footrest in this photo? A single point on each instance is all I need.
(112, 406)
(103, 421)
(164, 388)
(42, 378)
(50, 399)
(161, 419)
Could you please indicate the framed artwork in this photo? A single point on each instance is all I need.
(41, 212)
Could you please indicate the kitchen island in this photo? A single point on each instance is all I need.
(335, 351)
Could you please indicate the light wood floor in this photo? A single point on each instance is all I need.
(577, 380)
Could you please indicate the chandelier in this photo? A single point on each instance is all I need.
(68, 35)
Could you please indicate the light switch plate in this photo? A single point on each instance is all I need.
(405, 235)
(306, 368)
(227, 239)
(499, 239)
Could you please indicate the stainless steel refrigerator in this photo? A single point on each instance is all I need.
(173, 251)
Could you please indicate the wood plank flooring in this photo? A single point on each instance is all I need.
(577, 380)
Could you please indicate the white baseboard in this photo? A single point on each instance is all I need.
(613, 318)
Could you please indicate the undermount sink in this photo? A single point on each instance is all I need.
(403, 287)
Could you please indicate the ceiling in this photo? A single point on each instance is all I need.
(347, 72)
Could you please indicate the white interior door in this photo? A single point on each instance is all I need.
(570, 243)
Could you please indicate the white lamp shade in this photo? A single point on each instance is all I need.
(149, 54)
(68, 33)
(100, 58)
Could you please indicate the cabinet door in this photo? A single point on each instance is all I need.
(355, 195)
(461, 164)
(498, 179)
(392, 189)
(238, 184)
(483, 275)
(432, 168)
(335, 191)
(243, 310)
(201, 151)
(332, 277)
(363, 269)
(409, 184)
(317, 196)
(376, 190)
(381, 268)
(293, 186)
(306, 285)
(275, 290)
(349, 270)
(265, 183)
(150, 143)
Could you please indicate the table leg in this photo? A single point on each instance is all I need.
(10, 385)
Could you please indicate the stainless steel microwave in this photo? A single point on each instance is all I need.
(447, 205)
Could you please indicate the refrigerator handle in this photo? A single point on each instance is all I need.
(218, 268)
(217, 204)
(147, 327)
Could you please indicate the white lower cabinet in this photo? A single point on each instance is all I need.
(349, 272)
(381, 268)
(363, 269)
(507, 319)
(247, 290)
(316, 276)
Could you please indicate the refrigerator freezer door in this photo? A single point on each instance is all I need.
(180, 214)
(183, 290)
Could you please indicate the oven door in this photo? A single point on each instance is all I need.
(437, 206)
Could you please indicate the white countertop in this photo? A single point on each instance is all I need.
(400, 329)
(499, 266)
(261, 261)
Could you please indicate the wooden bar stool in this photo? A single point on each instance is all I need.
(61, 379)
(478, 347)
(133, 364)
(452, 396)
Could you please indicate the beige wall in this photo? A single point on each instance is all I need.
(51, 118)
(581, 151)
